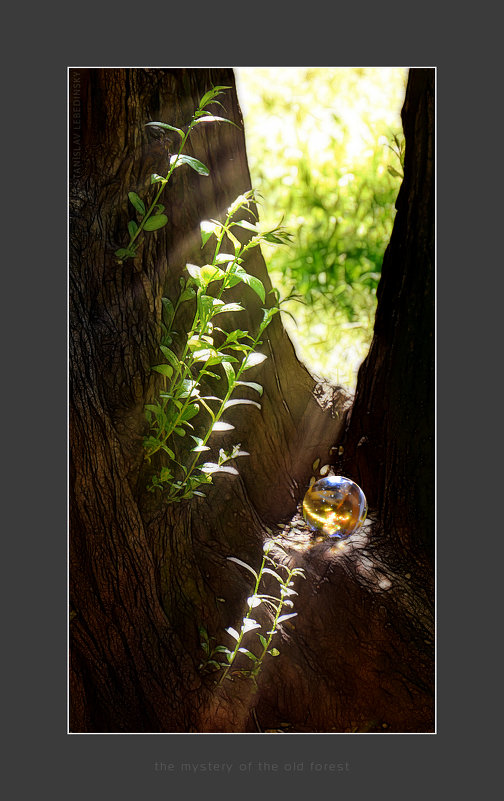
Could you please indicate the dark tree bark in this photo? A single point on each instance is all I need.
(389, 442)
(144, 575)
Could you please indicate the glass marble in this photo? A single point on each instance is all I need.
(335, 506)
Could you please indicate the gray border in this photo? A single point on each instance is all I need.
(113, 766)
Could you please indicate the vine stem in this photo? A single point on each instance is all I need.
(163, 184)
(242, 630)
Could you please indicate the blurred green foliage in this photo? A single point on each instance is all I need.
(321, 146)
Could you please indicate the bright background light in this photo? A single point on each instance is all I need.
(319, 150)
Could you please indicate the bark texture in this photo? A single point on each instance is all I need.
(389, 441)
(143, 575)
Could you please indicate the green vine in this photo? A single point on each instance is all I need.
(205, 347)
(222, 658)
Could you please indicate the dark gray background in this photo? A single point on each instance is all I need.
(43, 758)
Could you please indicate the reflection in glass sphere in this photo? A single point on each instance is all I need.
(335, 506)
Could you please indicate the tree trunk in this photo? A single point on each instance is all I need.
(389, 441)
(145, 575)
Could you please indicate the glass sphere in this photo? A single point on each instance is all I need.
(335, 506)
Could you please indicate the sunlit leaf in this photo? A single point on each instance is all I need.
(196, 165)
(209, 467)
(252, 384)
(210, 273)
(242, 564)
(211, 118)
(286, 617)
(246, 224)
(248, 653)
(226, 469)
(249, 624)
(230, 307)
(252, 360)
(165, 126)
(224, 258)
(251, 281)
(221, 426)
(272, 572)
(233, 632)
(254, 601)
(207, 228)
(230, 373)
(241, 402)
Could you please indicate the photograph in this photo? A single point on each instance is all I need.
(252, 403)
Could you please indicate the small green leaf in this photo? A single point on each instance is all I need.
(224, 258)
(220, 426)
(194, 271)
(227, 469)
(168, 311)
(248, 653)
(243, 564)
(190, 412)
(153, 407)
(252, 384)
(169, 354)
(210, 273)
(254, 601)
(196, 165)
(165, 126)
(240, 402)
(155, 222)
(230, 373)
(230, 307)
(246, 224)
(215, 91)
(132, 228)
(207, 228)
(251, 281)
(272, 573)
(252, 360)
(122, 253)
(136, 202)
(209, 467)
(155, 178)
(286, 617)
(274, 652)
(188, 293)
(180, 431)
(164, 369)
(263, 640)
(211, 118)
